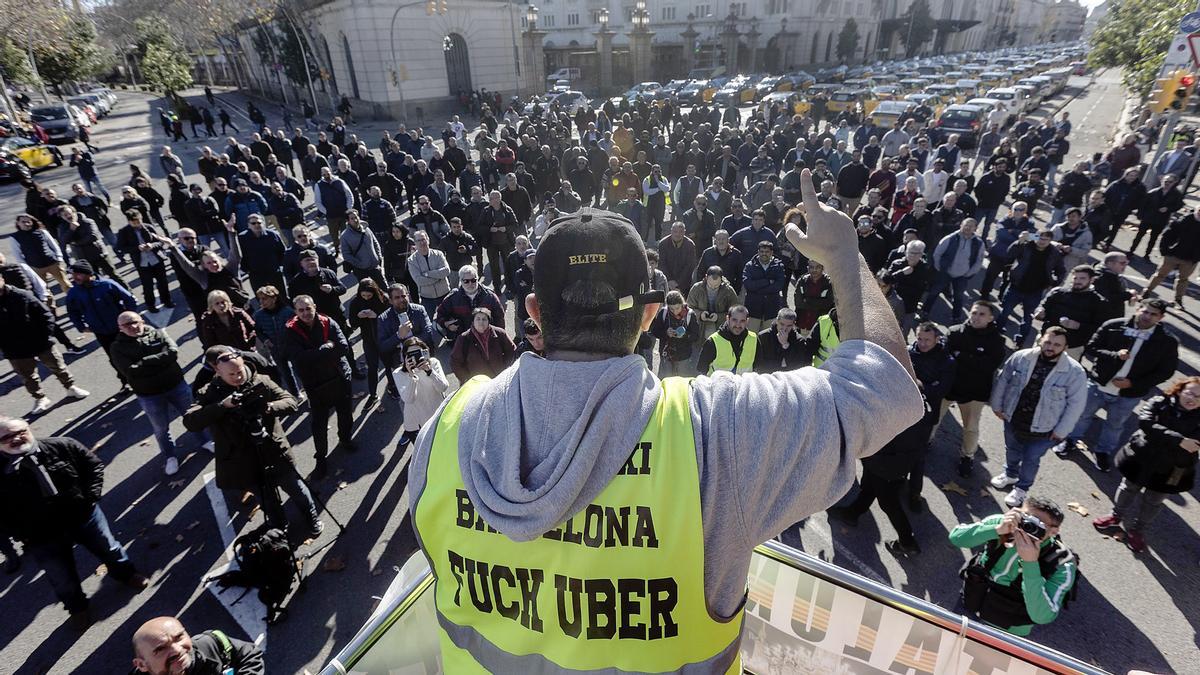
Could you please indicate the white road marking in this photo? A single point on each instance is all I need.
(249, 612)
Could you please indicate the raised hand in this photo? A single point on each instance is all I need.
(831, 238)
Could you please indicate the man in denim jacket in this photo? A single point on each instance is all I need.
(1040, 394)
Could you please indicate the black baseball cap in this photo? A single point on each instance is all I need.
(592, 247)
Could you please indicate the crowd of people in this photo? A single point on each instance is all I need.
(1002, 266)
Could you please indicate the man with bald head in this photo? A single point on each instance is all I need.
(162, 646)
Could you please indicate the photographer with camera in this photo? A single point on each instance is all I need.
(1024, 574)
(422, 385)
(241, 409)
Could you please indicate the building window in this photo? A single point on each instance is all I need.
(572, 19)
(777, 6)
(548, 21)
(737, 8)
(628, 12)
(668, 13)
(595, 16)
(703, 11)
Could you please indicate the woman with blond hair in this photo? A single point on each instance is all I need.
(225, 324)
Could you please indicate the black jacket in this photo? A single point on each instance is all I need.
(329, 304)
(240, 459)
(78, 476)
(1181, 239)
(1153, 364)
(991, 190)
(149, 362)
(128, 240)
(770, 355)
(910, 287)
(1086, 307)
(319, 355)
(1153, 458)
(1115, 293)
(935, 372)
(27, 324)
(978, 354)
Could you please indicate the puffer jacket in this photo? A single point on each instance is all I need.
(240, 460)
(1153, 458)
(1064, 392)
(149, 362)
(977, 356)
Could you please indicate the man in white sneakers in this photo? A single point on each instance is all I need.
(1040, 394)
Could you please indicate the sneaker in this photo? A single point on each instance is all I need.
(1110, 522)
(78, 392)
(900, 549)
(1103, 462)
(209, 446)
(171, 467)
(1014, 498)
(371, 401)
(843, 515)
(1002, 480)
(316, 530)
(1135, 541)
(965, 465)
(41, 405)
(1064, 448)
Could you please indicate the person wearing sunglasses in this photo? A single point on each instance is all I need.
(50, 500)
(455, 311)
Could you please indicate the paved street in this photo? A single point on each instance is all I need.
(1131, 611)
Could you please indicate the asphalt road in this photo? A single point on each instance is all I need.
(1131, 612)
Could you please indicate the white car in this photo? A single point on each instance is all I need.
(1015, 99)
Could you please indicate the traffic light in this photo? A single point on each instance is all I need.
(1171, 93)
(1181, 90)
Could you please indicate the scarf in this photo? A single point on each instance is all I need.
(33, 459)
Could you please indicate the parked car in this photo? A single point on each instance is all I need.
(568, 74)
(965, 120)
(59, 120)
(887, 112)
(1015, 99)
(793, 101)
(696, 92)
(22, 156)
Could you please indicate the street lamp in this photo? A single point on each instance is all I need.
(531, 17)
(640, 17)
(602, 18)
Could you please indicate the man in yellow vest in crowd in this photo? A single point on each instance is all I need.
(732, 348)
(824, 339)
(580, 514)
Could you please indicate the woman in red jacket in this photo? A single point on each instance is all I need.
(483, 350)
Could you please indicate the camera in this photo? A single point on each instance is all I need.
(247, 402)
(417, 355)
(1033, 526)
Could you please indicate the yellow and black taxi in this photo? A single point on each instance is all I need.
(20, 157)
(792, 101)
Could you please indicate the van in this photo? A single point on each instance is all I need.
(568, 74)
(1015, 99)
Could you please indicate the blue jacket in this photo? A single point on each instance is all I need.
(270, 325)
(389, 322)
(262, 254)
(764, 288)
(97, 305)
(242, 206)
(1007, 234)
(1064, 392)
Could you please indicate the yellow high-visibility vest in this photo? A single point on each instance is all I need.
(726, 360)
(618, 587)
(827, 332)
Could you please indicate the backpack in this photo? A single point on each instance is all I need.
(1007, 606)
(266, 562)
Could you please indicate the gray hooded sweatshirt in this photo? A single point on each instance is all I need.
(544, 438)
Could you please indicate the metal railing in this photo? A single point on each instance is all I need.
(803, 614)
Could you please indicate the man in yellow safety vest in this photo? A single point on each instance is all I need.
(579, 514)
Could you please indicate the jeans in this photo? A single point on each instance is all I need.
(1023, 456)
(958, 289)
(1127, 494)
(1119, 418)
(1028, 302)
(94, 185)
(158, 409)
(318, 417)
(285, 478)
(57, 558)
